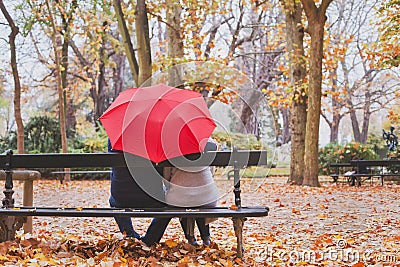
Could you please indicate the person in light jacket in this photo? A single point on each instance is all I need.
(193, 187)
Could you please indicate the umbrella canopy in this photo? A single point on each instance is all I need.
(158, 122)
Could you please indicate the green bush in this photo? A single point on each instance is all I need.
(394, 154)
(335, 153)
(241, 141)
(42, 135)
(8, 142)
(97, 142)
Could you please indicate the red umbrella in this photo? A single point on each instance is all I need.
(158, 122)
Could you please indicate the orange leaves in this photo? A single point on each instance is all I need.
(170, 243)
(113, 252)
(233, 207)
(322, 206)
(295, 211)
(330, 219)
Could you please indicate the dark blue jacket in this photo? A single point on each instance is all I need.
(137, 187)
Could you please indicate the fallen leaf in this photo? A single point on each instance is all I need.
(295, 211)
(233, 207)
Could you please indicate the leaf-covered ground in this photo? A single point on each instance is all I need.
(335, 225)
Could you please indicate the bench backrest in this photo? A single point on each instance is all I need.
(236, 158)
(240, 158)
(372, 163)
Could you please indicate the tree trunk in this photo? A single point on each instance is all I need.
(126, 38)
(367, 115)
(316, 20)
(248, 115)
(143, 42)
(55, 42)
(17, 83)
(286, 130)
(118, 74)
(336, 117)
(61, 96)
(334, 126)
(294, 38)
(174, 40)
(67, 18)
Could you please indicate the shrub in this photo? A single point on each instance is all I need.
(335, 153)
(42, 135)
(394, 154)
(241, 141)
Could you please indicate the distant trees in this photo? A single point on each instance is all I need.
(353, 85)
(98, 48)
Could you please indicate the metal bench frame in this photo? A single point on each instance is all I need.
(359, 164)
(358, 177)
(12, 218)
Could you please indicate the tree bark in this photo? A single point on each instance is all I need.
(130, 53)
(316, 20)
(55, 41)
(67, 19)
(174, 40)
(286, 129)
(17, 83)
(61, 100)
(143, 42)
(294, 38)
(336, 107)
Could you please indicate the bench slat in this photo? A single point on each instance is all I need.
(97, 160)
(146, 213)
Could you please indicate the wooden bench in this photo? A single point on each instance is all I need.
(377, 168)
(338, 171)
(11, 217)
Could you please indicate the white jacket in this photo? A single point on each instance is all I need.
(191, 187)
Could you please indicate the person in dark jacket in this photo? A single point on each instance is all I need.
(138, 187)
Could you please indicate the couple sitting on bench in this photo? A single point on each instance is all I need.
(143, 187)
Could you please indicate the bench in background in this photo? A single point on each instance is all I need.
(377, 168)
(339, 170)
(94, 173)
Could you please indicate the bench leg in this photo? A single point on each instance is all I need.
(238, 226)
(8, 226)
(28, 202)
(358, 181)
